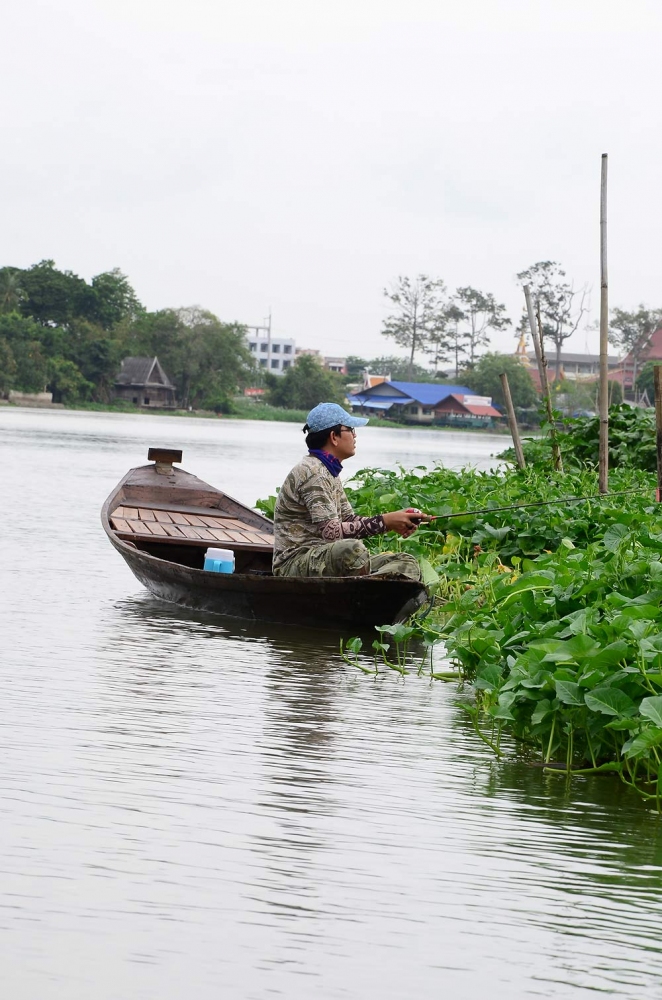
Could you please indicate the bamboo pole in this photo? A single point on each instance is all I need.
(603, 478)
(542, 369)
(657, 372)
(544, 385)
(512, 421)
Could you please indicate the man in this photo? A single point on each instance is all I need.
(316, 532)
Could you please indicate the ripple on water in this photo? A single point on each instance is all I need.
(192, 805)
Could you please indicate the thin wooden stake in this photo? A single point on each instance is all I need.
(544, 385)
(657, 372)
(512, 421)
(542, 369)
(603, 454)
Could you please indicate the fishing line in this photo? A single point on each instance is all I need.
(537, 503)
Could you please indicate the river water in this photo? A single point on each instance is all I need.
(195, 807)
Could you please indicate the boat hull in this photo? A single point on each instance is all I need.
(323, 602)
(170, 565)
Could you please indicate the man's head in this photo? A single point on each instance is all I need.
(332, 429)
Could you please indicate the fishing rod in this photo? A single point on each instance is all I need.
(537, 503)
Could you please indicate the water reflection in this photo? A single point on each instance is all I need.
(344, 822)
(197, 804)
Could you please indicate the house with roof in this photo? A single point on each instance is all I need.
(634, 360)
(457, 410)
(143, 382)
(573, 366)
(410, 402)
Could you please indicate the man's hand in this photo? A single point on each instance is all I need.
(405, 522)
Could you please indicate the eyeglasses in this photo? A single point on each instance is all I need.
(352, 430)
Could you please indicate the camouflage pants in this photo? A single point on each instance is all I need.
(349, 557)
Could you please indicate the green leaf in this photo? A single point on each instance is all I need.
(622, 725)
(498, 533)
(380, 647)
(614, 536)
(527, 582)
(542, 709)
(569, 693)
(429, 575)
(641, 744)
(651, 708)
(399, 632)
(609, 701)
(354, 645)
(610, 655)
(488, 678)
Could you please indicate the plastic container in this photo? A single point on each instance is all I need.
(219, 561)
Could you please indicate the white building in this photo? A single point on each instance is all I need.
(275, 355)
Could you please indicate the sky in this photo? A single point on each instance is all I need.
(300, 155)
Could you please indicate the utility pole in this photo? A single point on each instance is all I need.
(266, 327)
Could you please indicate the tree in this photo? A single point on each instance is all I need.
(53, 297)
(355, 366)
(217, 360)
(484, 379)
(561, 307)
(7, 367)
(481, 313)
(631, 332)
(114, 299)
(66, 381)
(161, 333)
(10, 289)
(418, 311)
(304, 385)
(23, 337)
(97, 354)
(399, 369)
(447, 341)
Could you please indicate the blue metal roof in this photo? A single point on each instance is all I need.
(426, 393)
(429, 393)
(374, 404)
(365, 398)
(378, 402)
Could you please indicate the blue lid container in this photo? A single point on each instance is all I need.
(219, 561)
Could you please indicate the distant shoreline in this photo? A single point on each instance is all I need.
(272, 415)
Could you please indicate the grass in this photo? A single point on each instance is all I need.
(249, 409)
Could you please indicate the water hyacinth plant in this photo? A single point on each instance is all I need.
(550, 614)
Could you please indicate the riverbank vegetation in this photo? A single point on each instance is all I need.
(550, 612)
(63, 334)
(547, 600)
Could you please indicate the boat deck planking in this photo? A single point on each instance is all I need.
(148, 523)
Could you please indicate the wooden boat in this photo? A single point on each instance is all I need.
(161, 520)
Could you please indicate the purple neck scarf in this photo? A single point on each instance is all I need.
(332, 463)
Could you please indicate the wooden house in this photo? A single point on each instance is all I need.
(143, 382)
(458, 410)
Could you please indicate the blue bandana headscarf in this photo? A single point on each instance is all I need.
(332, 463)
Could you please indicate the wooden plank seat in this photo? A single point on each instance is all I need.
(184, 528)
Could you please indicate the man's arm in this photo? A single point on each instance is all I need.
(353, 527)
(405, 522)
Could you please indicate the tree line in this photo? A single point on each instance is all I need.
(451, 329)
(61, 333)
(68, 336)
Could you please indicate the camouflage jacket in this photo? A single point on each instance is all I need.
(312, 509)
